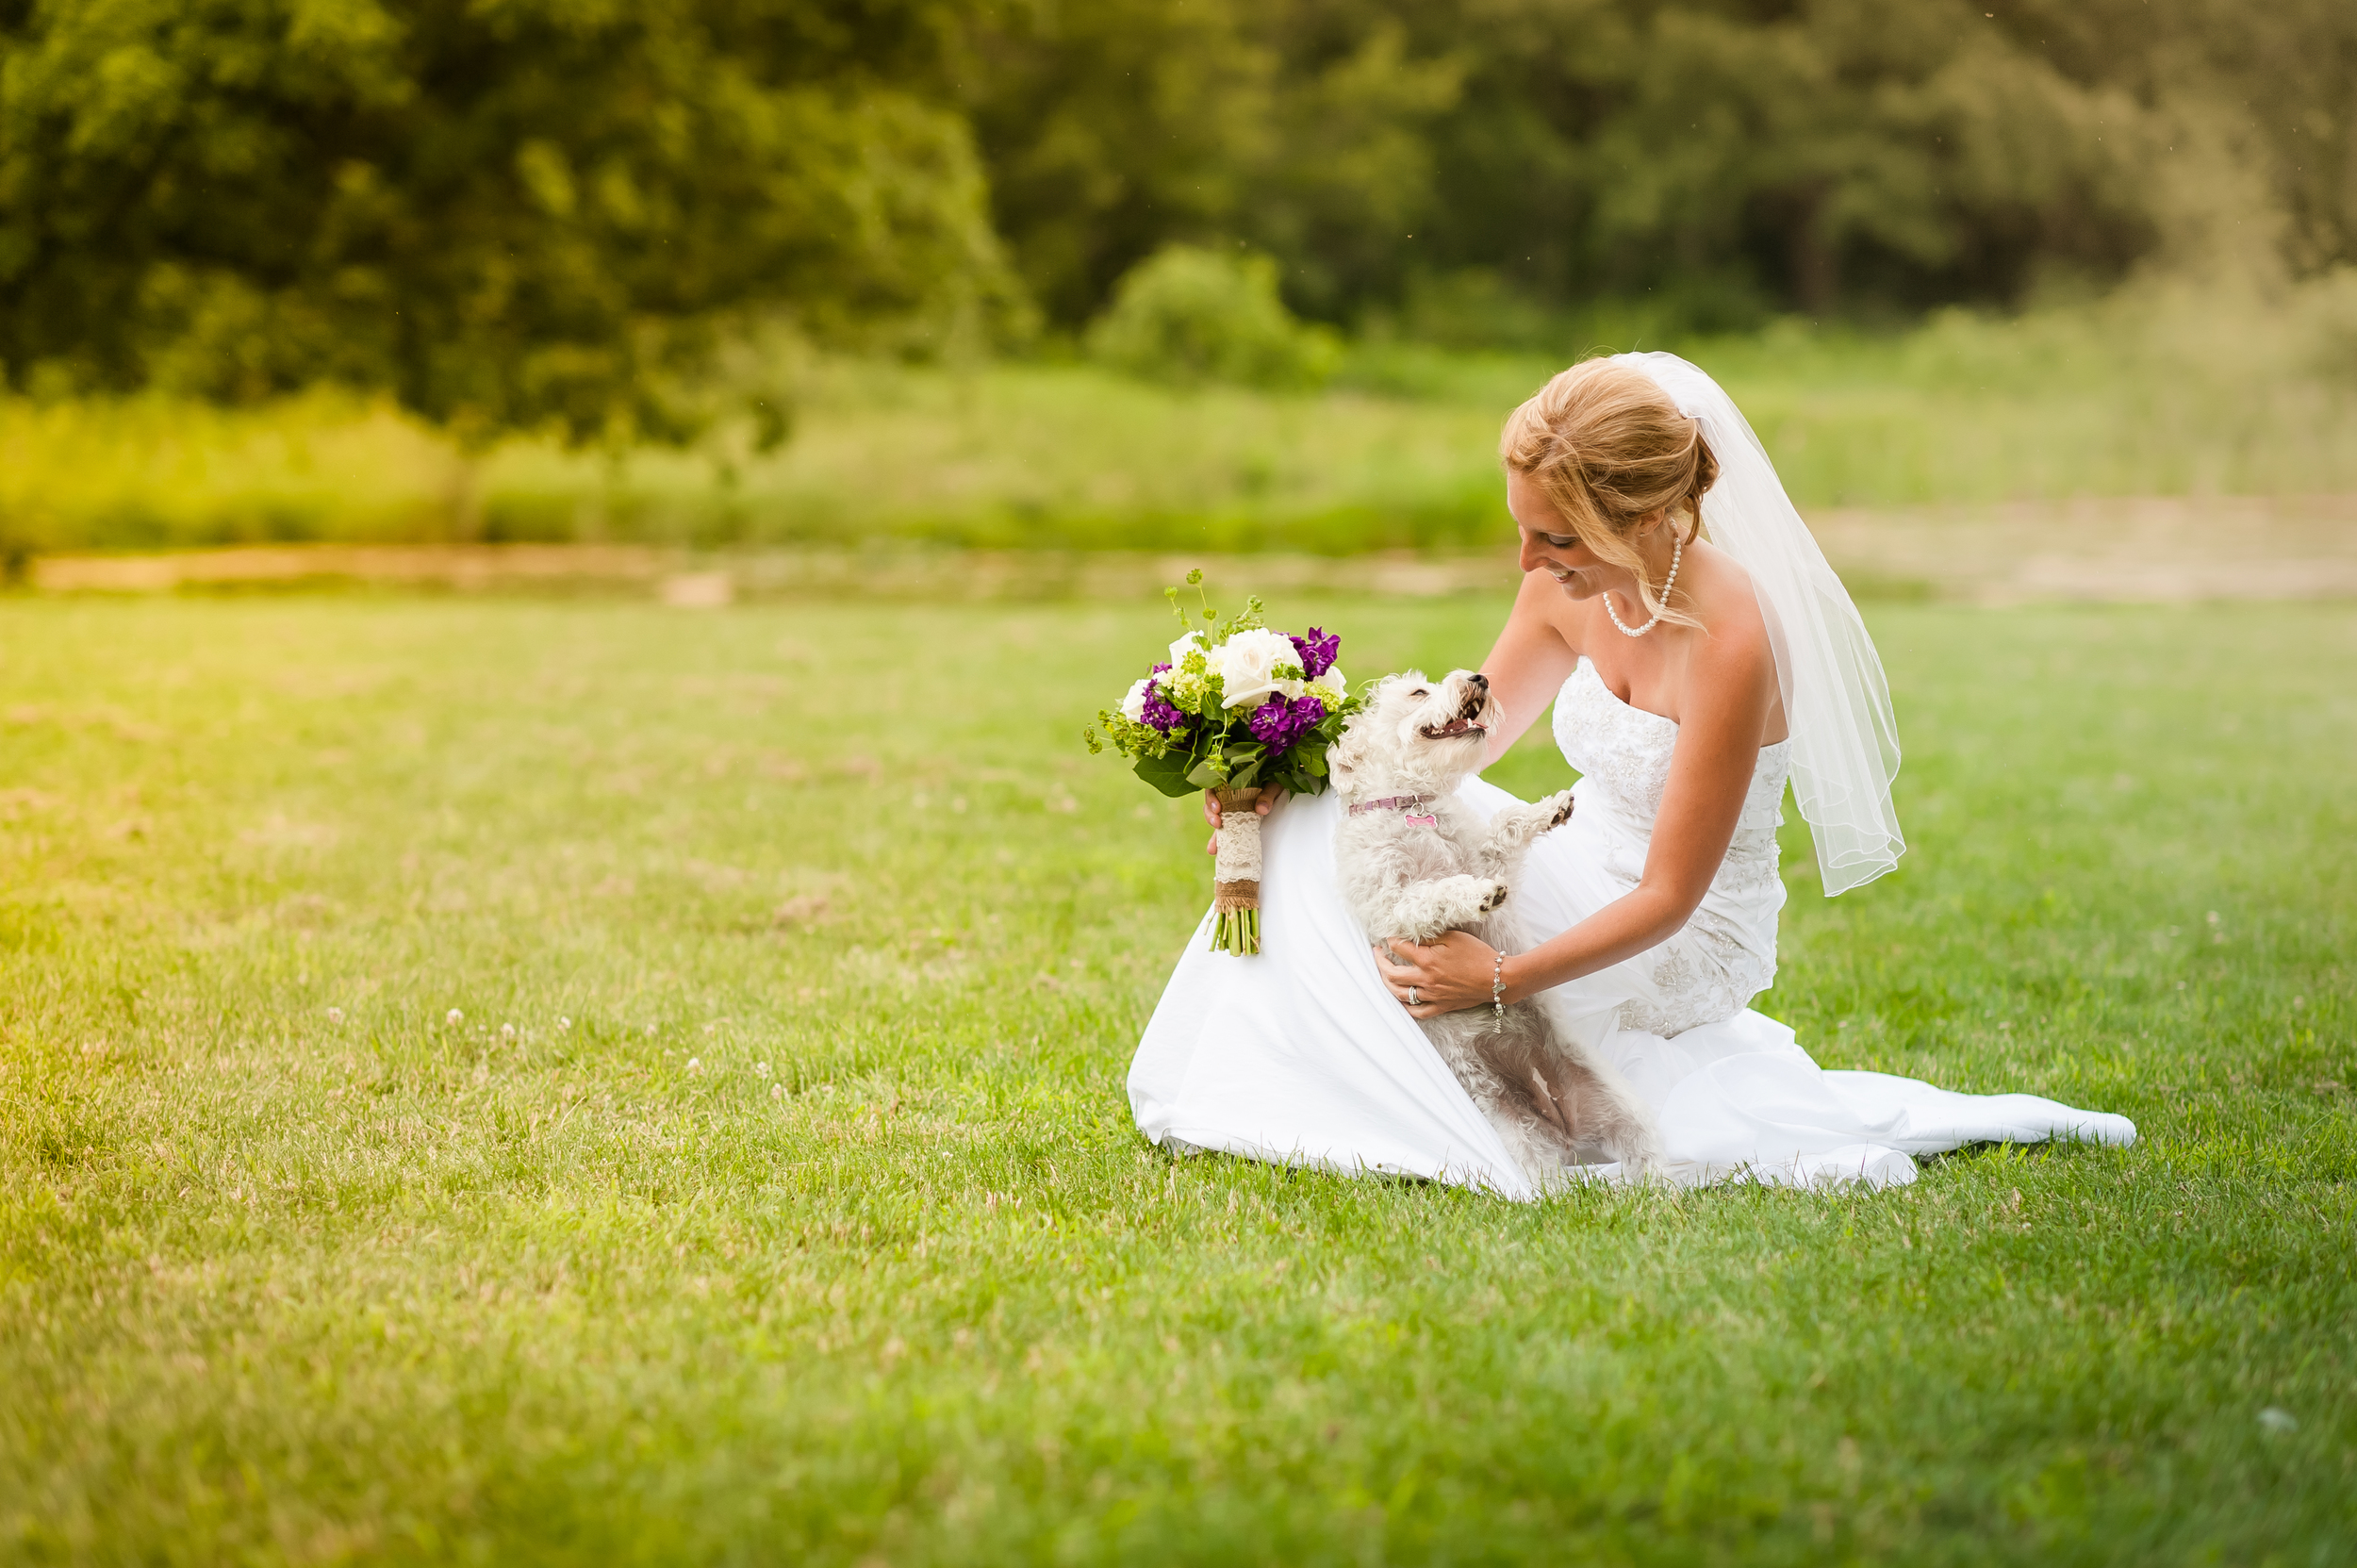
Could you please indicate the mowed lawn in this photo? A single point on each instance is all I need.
(521, 1081)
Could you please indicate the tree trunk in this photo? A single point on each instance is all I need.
(1814, 263)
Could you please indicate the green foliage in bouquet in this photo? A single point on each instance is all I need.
(1236, 706)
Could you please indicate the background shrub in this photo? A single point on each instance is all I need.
(1186, 314)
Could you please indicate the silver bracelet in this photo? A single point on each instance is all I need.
(1497, 985)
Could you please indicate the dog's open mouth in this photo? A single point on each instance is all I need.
(1451, 729)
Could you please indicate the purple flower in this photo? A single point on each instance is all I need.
(1318, 652)
(1146, 705)
(1278, 723)
(1161, 712)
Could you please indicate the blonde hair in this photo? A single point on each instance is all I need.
(1609, 449)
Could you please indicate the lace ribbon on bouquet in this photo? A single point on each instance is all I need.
(1236, 874)
(1845, 743)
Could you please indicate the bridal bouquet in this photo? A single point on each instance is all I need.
(1236, 710)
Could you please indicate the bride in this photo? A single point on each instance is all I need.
(1700, 652)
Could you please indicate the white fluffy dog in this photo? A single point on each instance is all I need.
(1414, 862)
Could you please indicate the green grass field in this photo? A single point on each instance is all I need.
(775, 1198)
(2160, 391)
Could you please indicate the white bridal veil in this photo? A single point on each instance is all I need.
(1845, 745)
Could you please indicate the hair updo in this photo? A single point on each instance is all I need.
(1608, 446)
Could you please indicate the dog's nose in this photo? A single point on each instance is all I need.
(1481, 681)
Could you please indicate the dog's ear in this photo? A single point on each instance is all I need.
(1343, 756)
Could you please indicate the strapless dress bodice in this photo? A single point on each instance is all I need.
(1627, 751)
(1727, 952)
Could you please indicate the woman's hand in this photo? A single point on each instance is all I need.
(1450, 974)
(1265, 804)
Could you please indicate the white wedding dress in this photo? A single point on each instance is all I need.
(1300, 1056)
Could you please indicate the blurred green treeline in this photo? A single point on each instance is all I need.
(753, 224)
(1464, 162)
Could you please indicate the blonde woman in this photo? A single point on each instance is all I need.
(1699, 654)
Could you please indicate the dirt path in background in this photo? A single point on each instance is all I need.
(2158, 550)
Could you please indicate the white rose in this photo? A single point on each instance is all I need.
(1331, 688)
(1190, 643)
(1133, 705)
(1246, 665)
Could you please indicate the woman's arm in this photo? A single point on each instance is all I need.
(1530, 663)
(1728, 689)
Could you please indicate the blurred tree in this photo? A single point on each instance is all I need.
(1301, 128)
(1741, 154)
(1354, 188)
(2255, 107)
(1809, 154)
(1113, 126)
(510, 213)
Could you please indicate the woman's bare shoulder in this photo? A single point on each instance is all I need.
(1726, 600)
(1735, 662)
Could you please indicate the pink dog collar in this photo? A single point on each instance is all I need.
(1399, 802)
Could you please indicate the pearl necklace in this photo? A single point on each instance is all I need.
(1677, 554)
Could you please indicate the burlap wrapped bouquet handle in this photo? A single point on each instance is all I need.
(1236, 876)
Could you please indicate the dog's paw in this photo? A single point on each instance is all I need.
(1561, 803)
(1493, 896)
